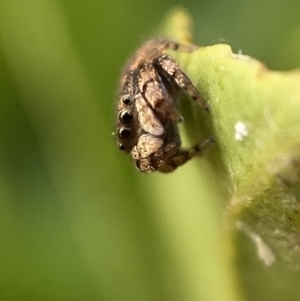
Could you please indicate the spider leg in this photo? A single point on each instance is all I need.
(159, 46)
(154, 48)
(178, 47)
(183, 156)
(169, 68)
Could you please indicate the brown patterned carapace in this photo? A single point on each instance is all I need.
(147, 108)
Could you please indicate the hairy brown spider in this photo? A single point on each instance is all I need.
(147, 109)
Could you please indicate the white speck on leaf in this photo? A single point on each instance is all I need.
(241, 131)
(263, 250)
(241, 56)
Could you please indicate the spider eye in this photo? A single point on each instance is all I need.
(126, 101)
(121, 147)
(126, 118)
(124, 133)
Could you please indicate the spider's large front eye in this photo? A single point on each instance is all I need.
(124, 133)
(126, 118)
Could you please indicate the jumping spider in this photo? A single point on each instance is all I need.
(147, 109)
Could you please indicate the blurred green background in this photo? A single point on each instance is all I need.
(77, 221)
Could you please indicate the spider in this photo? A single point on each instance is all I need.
(147, 109)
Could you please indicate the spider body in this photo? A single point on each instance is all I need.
(147, 109)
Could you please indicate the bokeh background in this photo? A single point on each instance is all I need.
(77, 222)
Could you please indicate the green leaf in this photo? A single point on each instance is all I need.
(255, 119)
